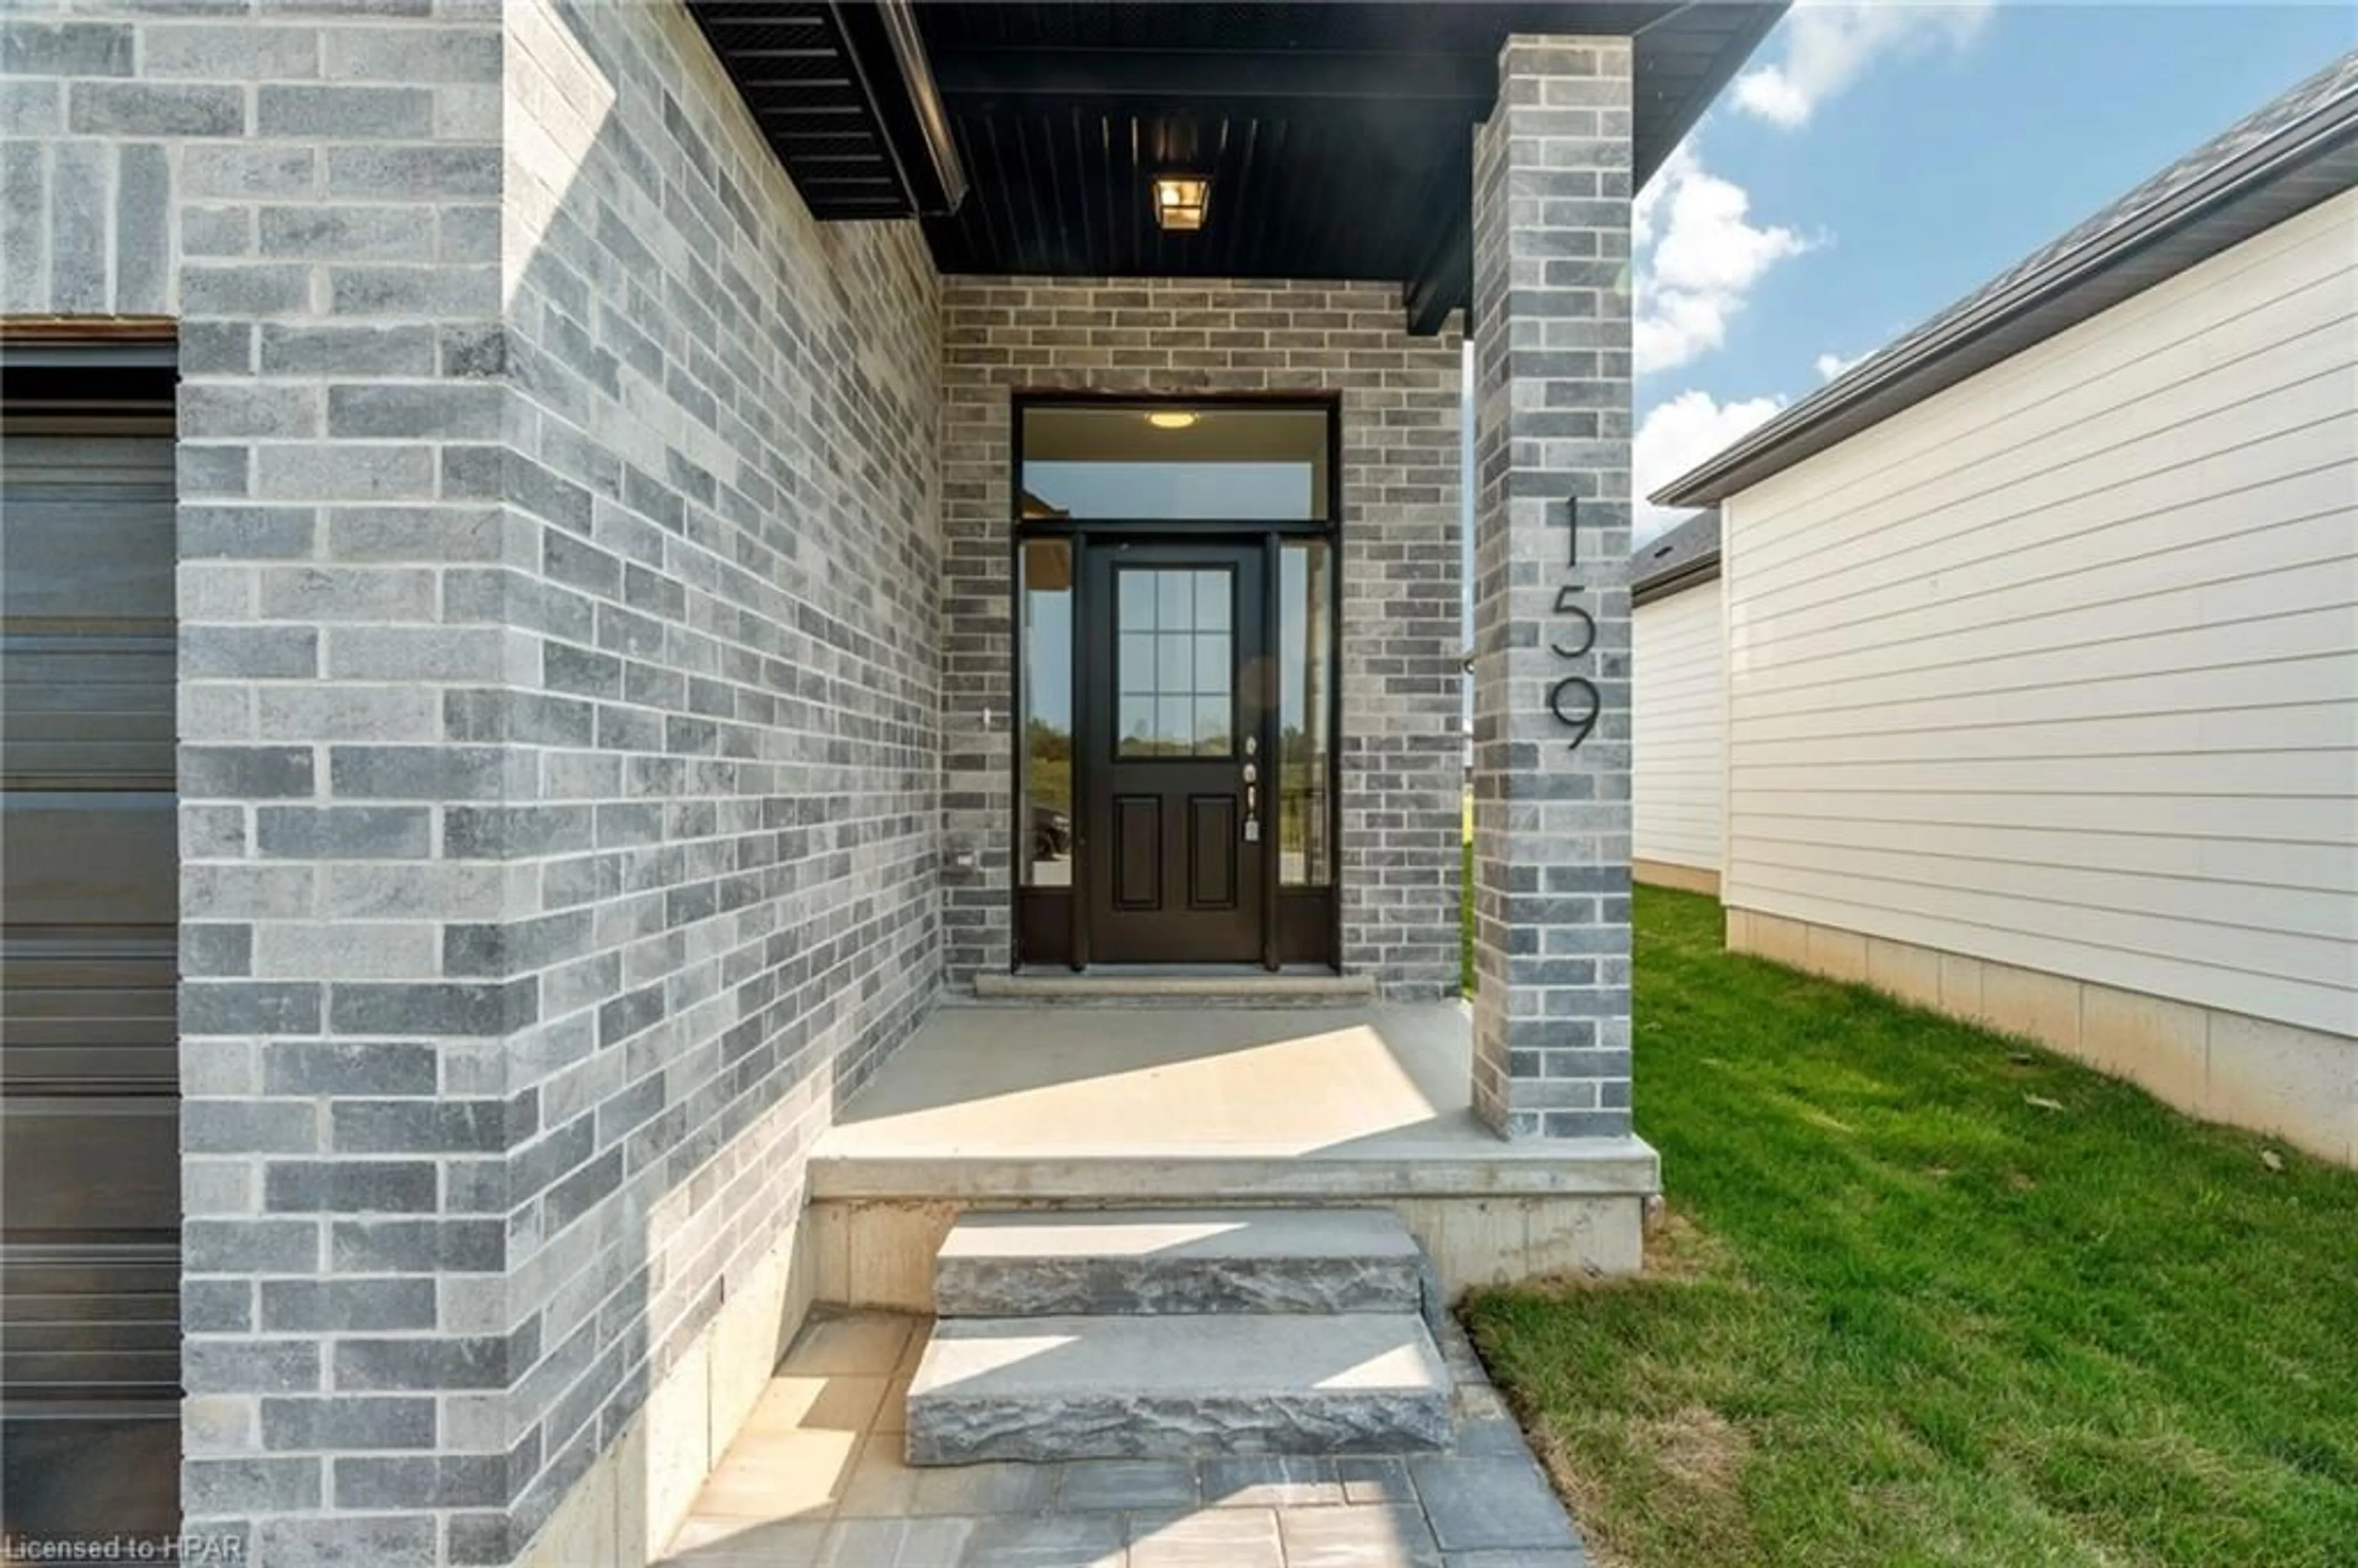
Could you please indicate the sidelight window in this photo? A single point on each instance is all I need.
(1306, 697)
(1047, 848)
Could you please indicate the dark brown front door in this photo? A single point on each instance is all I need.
(1174, 852)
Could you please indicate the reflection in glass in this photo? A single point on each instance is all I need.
(1137, 597)
(1174, 604)
(1305, 693)
(1212, 664)
(1107, 461)
(1173, 670)
(1174, 681)
(1212, 726)
(1046, 856)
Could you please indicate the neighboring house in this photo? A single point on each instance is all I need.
(1678, 709)
(574, 570)
(2043, 642)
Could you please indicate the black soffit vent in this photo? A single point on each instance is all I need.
(1337, 137)
(843, 92)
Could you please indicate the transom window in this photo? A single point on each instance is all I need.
(1137, 462)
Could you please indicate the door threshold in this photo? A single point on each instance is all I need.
(1246, 985)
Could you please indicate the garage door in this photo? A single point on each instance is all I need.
(89, 1258)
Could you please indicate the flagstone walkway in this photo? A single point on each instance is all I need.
(815, 1480)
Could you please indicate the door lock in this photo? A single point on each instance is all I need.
(1252, 773)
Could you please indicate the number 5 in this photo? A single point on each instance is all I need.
(1587, 621)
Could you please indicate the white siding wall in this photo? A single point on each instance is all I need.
(1679, 728)
(2059, 667)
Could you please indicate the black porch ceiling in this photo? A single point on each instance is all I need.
(1337, 137)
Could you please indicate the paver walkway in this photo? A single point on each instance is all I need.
(815, 1480)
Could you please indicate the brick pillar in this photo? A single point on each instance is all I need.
(1552, 306)
(345, 776)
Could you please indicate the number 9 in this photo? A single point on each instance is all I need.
(1584, 722)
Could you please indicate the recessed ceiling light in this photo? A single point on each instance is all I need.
(1172, 418)
(1181, 200)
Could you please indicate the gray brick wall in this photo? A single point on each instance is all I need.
(723, 467)
(559, 700)
(1552, 428)
(1401, 761)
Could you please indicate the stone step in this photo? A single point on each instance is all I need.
(1046, 1388)
(1151, 987)
(1111, 1261)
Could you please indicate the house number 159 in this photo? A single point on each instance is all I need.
(1575, 699)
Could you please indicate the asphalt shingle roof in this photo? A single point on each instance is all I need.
(1686, 550)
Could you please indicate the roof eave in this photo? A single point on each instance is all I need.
(2052, 300)
(1722, 69)
(1691, 573)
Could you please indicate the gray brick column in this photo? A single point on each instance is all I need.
(1552, 304)
(346, 784)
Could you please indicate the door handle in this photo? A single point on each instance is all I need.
(1252, 773)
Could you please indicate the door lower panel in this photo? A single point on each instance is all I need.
(1212, 835)
(1138, 851)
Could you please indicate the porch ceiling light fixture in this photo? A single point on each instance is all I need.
(1181, 200)
(1173, 418)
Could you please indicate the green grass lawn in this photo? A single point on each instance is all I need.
(1466, 923)
(1929, 1295)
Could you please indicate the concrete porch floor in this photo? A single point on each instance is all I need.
(815, 1480)
(1370, 1101)
(1012, 1107)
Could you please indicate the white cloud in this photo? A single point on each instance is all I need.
(1829, 365)
(1699, 255)
(1828, 45)
(1681, 165)
(1678, 433)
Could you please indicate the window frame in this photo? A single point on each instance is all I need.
(1295, 932)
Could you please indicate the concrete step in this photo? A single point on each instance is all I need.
(1151, 987)
(1046, 1388)
(1111, 1261)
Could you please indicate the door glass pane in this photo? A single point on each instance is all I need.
(1175, 725)
(1212, 664)
(1137, 659)
(1211, 601)
(1136, 725)
(1306, 697)
(1176, 683)
(1210, 461)
(1211, 726)
(1175, 670)
(1174, 602)
(1044, 828)
(1137, 597)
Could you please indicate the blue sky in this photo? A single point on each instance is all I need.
(1872, 164)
